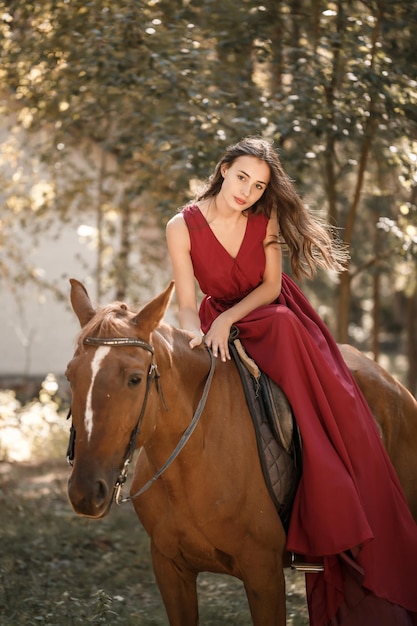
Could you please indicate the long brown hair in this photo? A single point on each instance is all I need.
(310, 240)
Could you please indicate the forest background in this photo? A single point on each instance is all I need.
(157, 89)
(124, 107)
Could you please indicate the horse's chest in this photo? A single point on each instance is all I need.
(182, 541)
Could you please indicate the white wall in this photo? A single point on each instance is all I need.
(38, 332)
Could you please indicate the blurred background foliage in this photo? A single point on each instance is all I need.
(151, 92)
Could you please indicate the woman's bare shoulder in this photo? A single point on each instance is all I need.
(177, 226)
(178, 220)
(177, 234)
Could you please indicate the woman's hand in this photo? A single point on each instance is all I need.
(196, 337)
(217, 337)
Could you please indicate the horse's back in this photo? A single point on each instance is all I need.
(395, 411)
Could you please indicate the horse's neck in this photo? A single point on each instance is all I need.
(183, 371)
(171, 410)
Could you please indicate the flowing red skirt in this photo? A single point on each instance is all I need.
(349, 497)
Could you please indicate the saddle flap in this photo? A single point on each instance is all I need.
(277, 407)
(279, 451)
(278, 410)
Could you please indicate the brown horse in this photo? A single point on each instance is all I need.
(136, 383)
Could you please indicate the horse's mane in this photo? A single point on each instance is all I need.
(111, 320)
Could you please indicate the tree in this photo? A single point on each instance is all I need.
(150, 92)
(124, 77)
(345, 86)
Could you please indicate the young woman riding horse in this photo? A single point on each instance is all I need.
(137, 384)
(349, 504)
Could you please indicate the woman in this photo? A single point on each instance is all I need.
(349, 508)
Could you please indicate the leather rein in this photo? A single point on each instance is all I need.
(153, 375)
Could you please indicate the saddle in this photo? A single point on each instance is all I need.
(277, 434)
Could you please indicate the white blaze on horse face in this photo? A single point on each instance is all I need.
(99, 356)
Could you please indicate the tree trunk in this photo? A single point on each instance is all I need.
(376, 282)
(345, 279)
(278, 62)
(375, 314)
(412, 342)
(122, 263)
(342, 334)
(330, 91)
(100, 226)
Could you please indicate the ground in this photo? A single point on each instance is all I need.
(58, 569)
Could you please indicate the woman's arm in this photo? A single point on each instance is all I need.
(268, 291)
(178, 242)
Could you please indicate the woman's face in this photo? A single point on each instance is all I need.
(245, 180)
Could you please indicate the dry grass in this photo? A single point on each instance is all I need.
(61, 570)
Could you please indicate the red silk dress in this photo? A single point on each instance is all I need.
(349, 495)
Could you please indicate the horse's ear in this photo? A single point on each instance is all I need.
(152, 313)
(81, 302)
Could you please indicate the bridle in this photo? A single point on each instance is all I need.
(152, 375)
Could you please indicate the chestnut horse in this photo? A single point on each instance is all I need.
(136, 384)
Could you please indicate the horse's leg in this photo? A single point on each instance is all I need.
(265, 589)
(178, 588)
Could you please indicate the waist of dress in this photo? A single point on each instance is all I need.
(225, 303)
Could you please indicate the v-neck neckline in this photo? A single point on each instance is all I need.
(218, 240)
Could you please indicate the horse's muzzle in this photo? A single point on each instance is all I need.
(90, 497)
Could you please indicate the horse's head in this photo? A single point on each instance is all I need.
(110, 376)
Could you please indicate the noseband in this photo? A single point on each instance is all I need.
(153, 374)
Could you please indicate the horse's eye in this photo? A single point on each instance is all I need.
(134, 380)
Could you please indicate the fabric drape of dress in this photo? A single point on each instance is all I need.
(349, 496)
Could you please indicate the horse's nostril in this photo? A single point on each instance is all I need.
(102, 492)
(94, 502)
